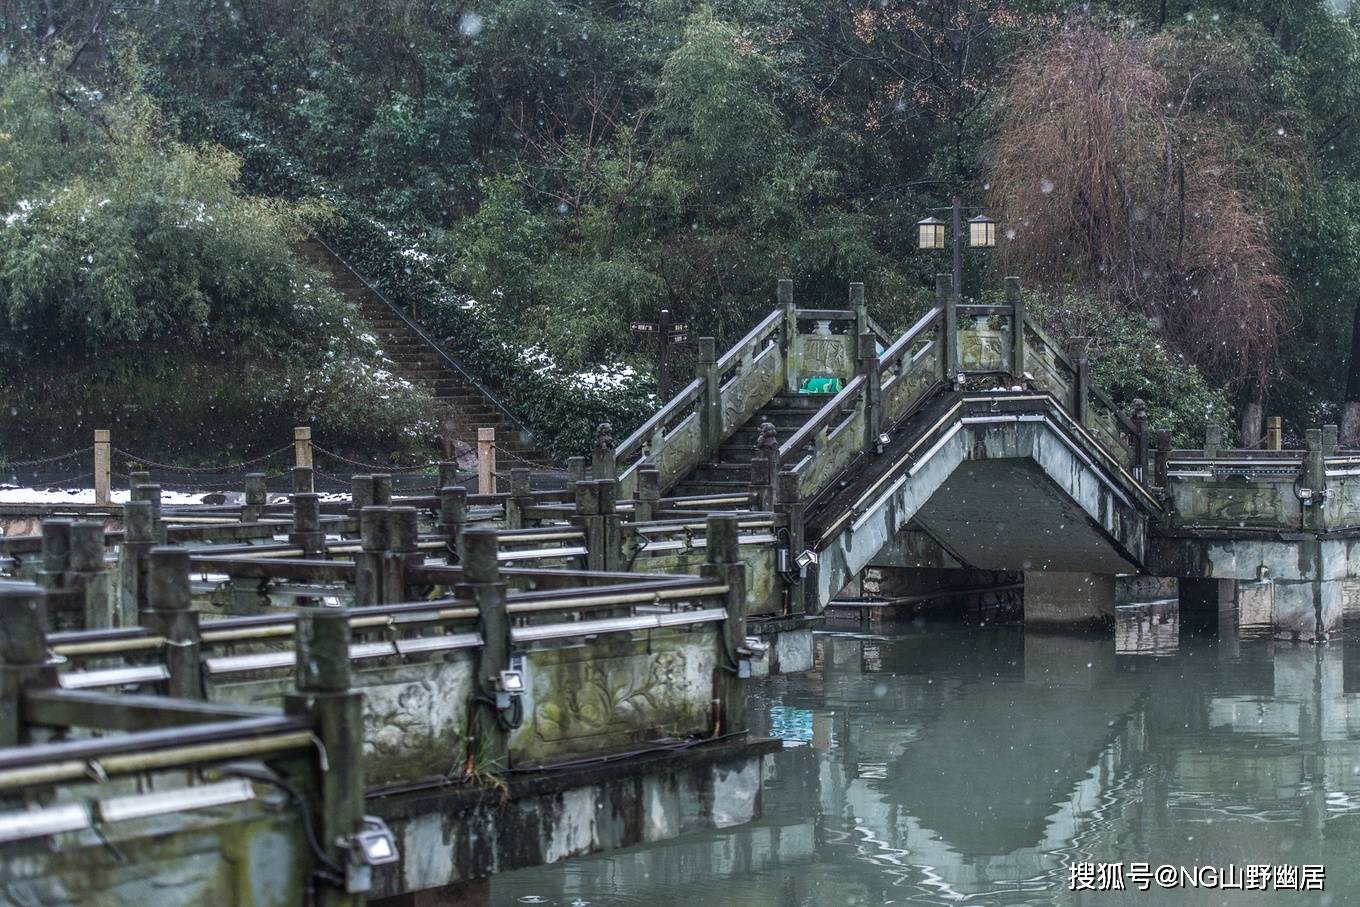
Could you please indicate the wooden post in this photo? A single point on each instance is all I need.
(602, 462)
(1274, 433)
(788, 335)
(790, 506)
(324, 695)
(138, 537)
(302, 445)
(765, 467)
(170, 614)
(257, 496)
(488, 743)
(307, 533)
(304, 482)
(1017, 301)
(1140, 439)
(23, 652)
(1163, 458)
(1081, 402)
(369, 562)
(648, 493)
(724, 565)
(711, 412)
(867, 365)
(947, 298)
(102, 467)
(402, 552)
(486, 461)
(87, 577)
(452, 519)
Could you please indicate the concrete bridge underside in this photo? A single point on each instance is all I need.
(997, 492)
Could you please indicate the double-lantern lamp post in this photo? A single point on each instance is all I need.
(981, 235)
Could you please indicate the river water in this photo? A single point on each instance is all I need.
(938, 763)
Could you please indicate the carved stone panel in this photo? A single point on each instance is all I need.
(616, 691)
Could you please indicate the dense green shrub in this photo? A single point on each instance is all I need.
(139, 287)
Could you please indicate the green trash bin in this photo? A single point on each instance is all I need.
(820, 384)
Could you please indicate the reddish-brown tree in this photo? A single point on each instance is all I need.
(1108, 177)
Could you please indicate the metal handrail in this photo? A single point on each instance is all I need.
(437, 348)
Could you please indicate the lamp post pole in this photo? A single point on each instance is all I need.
(957, 204)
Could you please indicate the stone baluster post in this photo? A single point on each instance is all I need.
(23, 653)
(947, 298)
(170, 614)
(304, 480)
(1081, 393)
(324, 695)
(1016, 299)
(790, 506)
(765, 468)
(710, 414)
(307, 533)
(788, 334)
(1140, 439)
(520, 500)
(87, 576)
(724, 565)
(648, 494)
(370, 561)
(257, 496)
(138, 539)
(488, 744)
(151, 493)
(1162, 458)
(453, 516)
(867, 365)
(402, 552)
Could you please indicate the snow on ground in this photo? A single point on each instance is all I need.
(10, 494)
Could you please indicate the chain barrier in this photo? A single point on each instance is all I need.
(65, 481)
(42, 461)
(317, 448)
(511, 455)
(225, 467)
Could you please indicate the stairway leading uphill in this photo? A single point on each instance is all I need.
(415, 360)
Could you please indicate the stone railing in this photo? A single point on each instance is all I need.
(427, 668)
(788, 345)
(1314, 489)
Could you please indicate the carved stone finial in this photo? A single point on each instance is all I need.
(1139, 408)
(604, 436)
(767, 438)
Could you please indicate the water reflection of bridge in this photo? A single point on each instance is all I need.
(943, 767)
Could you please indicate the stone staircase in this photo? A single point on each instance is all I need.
(730, 471)
(415, 360)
